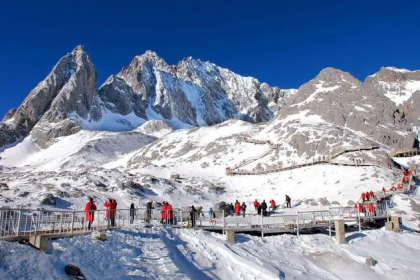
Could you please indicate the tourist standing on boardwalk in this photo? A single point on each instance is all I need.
(113, 212)
(90, 209)
(243, 208)
(288, 202)
(132, 213)
(237, 208)
(264, 208)
(193, 213)
(108, 211)
(149, 207)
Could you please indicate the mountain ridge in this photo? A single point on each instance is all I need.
(197, 93)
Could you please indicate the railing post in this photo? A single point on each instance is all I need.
(97, 219)
(224, 221)
(181, 216)
(61, 222)
(72, 220)
(19, 220)
(297, 223)
(358, 218)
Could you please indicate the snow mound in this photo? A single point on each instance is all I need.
(155, 128)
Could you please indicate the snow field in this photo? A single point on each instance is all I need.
(139, 253)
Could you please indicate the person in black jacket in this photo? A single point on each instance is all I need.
(193, 215)
(231, 209)
(288, 204)
(243, 208)
(149, 207)
(264, 208)
(132, 213)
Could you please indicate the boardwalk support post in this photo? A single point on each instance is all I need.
(230, 236)
(395, 222)
(39, 241)
(340, 232)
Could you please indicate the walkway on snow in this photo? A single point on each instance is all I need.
(321, 160)
(17, 224)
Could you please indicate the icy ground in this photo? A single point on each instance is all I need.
(139, 253)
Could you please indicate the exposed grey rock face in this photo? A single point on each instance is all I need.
(370, 262)
(156, 128)
(10, 114)
(199, 93)
(69, 88)
(119, 98)
(8, 135)
(49, 200)
(73, 98)
(339, 98)
(402, 87)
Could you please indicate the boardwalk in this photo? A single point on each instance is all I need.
(235, 170)
(20, 223)
(16, 224)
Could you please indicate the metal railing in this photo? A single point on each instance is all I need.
(20, 222)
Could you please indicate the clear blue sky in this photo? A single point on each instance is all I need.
(284, 43)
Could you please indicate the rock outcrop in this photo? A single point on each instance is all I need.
(340, 99)
(68, 89)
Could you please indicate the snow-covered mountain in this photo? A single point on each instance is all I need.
(126, 138)
(192, 93)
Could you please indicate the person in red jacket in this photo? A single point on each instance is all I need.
(169, 214)
(108, 211)
(359, 207)
(257, 206)
(371, 210)
(273, 205)
(90, 209)
(163, 213)
(363, 196)
(237, 208)
(371, 195)
(383, 189)
(256, 203)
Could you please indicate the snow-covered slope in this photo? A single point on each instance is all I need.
(156, 128)
(186, 254)
(83, 149)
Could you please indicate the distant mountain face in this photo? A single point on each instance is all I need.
(340, 99)
(194, 93)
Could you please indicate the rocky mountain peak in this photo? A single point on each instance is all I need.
(331, 75)
(394, 75)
